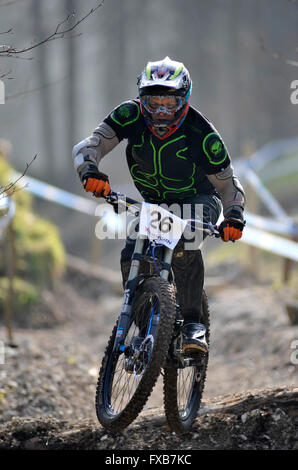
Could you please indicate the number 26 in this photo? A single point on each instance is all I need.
(164, 223)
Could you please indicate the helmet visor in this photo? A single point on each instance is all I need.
(167, 104)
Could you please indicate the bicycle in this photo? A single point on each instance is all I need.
(147, 336)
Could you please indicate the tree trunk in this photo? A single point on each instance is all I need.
(45, 109)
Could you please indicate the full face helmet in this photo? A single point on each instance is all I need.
(164, 87)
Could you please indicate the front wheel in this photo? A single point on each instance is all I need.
(127, 378)
(183, 386)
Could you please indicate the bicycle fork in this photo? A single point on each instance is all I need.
(130, 286)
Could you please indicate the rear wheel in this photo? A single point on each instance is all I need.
(126, 379)
(183, 386)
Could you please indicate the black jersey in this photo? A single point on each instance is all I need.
(173, 169)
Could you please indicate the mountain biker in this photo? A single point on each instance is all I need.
(174, 155)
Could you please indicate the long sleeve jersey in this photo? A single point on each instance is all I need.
(193, 160)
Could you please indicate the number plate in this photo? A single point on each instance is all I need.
(160, 225)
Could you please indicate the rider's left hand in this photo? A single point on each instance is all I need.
(231, 229)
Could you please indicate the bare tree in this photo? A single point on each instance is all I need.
(63, 30)
(277, 55)
(71, 93)
(45, 103)
(58, 33)
(10, 188)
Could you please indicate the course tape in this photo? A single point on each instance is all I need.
(7, 206)
(269, 200)
(286, 228)
(59, 196)
(253, 236)
(269, 242)
(268, 153)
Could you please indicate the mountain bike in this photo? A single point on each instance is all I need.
(147, 338)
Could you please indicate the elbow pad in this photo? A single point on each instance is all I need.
(86, 156)
(235, 206)
(231, 192)
(88, 153)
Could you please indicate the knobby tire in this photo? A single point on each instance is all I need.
(180, 421)
(114, 421)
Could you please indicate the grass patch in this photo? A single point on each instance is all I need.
(40, 254)
(25, 294)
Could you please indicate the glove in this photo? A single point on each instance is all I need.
(97, 184)
(231, 229)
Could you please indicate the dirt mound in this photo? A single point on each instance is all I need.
(254, 420)
(47, 383)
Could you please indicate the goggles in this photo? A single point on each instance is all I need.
(167, 104)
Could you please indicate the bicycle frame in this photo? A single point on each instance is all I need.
(134, 278)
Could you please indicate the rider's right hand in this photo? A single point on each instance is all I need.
(98, 184)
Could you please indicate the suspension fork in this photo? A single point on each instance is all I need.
(164, 273)
(167, 260)
(128, 296)
(130, 287)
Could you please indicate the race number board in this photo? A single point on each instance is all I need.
(160, 225)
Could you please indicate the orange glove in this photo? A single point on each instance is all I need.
(231, 229)
(98, 184)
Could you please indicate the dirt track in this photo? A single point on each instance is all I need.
(47, 384)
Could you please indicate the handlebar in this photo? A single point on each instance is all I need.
(115, 198)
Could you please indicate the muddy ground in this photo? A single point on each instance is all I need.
(47, 382)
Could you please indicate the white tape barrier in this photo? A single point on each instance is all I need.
(252, 236)
(270, 201)
(282, 167)
(7, 210)
(271, 225)
(59, 196)
(269, 242)
(269, 152)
